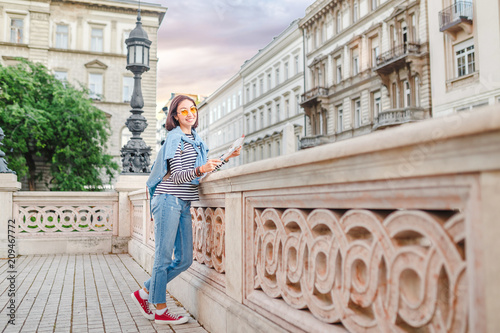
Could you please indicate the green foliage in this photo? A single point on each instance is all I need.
(43, 116)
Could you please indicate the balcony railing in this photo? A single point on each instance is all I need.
(314, 93)
(397, 52)
(399, 116)
(459, 12)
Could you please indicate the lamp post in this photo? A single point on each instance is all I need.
(136, 154)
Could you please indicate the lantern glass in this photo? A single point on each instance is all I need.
(147, 56)
(131, 54)
(139, 54)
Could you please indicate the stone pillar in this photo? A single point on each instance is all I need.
(125, 185)
(484, 276)
(289, 144)
(234, 246)
(8, 185)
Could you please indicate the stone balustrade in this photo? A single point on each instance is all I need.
(394, 231)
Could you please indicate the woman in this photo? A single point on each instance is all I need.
(172, 185)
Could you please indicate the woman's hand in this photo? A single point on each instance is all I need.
(210, 166)
(235, 153)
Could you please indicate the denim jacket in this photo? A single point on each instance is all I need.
(167, 151)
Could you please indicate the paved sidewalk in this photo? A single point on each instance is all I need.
(79, 293)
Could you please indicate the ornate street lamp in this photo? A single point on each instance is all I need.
(135, 154)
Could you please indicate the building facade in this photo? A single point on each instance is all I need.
(464, 57)
(83, 42)
(220, 120)
(273, 81)
(367, 67)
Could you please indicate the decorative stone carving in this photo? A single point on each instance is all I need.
(34, 219)
(209, 237)
(374, 271)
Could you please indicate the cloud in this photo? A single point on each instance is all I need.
(201, 44)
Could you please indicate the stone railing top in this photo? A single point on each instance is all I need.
(71, 197)
(440, 143)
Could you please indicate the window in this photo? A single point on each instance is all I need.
(355, 11)
(128, 88)
(340, 118)
(278, 112)
(61, 75)
(286, 71)
(414, 28)
(355, 61)
(234, 101)
(323, 33)
(254, 90)
(62, 36)
(277, 76)
(95, 86)
(228, 104)
(297, 104)
(465, 58)
(261, 118)
(126, 34)
(287, 109)
(357, 113)
(261, 86)
(377, 104)
(417, 91)
(248, 95)
(16, 30)
(254, 121)
(338, 62)
(126, 135)
(248, 124)
(395, 99)
(269, 81)
(374, 4)
(296, 65)
(269, 116)
(407, 93)
(339, 21)
(375, 50)
(240, 102)
(96, 40)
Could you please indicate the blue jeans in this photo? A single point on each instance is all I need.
(173, 233)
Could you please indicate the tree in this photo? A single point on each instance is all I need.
(42, 116)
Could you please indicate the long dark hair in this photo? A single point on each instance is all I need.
(171, 121)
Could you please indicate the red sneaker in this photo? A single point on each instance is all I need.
(143, 304)
(170, 319)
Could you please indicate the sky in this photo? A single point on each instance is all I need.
(203, 43)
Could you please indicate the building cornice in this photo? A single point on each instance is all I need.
(119, 6)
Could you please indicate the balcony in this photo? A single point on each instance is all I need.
(396, 57)
(456, 17)
(313, 141)
(399, 116)
(312, 95)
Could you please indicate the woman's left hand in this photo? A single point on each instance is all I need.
(236, 152)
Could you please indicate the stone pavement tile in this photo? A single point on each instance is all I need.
(190, 330)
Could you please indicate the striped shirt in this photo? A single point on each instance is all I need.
(182, 172)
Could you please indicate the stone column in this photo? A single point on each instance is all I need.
(125, 185)
(234, 246)
(8, 185)
(289, 144)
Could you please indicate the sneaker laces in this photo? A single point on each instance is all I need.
(175, 316)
